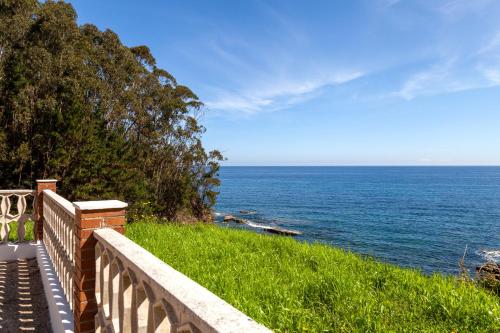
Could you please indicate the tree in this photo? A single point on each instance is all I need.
(78, 105)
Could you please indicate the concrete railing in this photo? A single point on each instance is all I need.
(110, 283)
(59, 239)
(137, 292)
(21, 199)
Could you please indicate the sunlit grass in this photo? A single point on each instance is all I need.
(29, 235)
(297, 287)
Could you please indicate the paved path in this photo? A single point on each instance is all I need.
(23, 307)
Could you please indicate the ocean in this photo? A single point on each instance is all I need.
(420, 217)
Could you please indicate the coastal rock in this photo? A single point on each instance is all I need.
(489, 271)
(228, 218)
(231, 218)
(488, 276)
(283, 231)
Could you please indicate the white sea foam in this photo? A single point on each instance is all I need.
(256, 225)
(491, 255)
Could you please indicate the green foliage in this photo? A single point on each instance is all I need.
(298, 287)
(79, 106)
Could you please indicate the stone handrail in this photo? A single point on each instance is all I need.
(110, 283)
(7, 215)
(59, 238)
(137, 292)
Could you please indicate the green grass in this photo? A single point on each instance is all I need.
(29, 235)
(291, 286)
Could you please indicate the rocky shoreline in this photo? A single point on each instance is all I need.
(488, 275)
(271, 229)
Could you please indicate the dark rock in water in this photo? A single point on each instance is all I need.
(231, 218)
(248, 212)
(282, 231)
(488, 276)
(238, 220)
(272, 229)
(228, 218)
(490, 271)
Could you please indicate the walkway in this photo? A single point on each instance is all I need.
(23, 307)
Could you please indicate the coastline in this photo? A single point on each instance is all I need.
(421, 217)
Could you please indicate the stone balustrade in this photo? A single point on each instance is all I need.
(137, 292)
(110, 283)
(21, 199)
(59, 238)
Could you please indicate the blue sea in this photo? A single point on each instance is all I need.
(420, 217)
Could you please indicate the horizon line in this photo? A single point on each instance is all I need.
(364, 165)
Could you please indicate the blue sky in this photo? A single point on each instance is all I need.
(380, 82)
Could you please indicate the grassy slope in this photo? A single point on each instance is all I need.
(292, 287)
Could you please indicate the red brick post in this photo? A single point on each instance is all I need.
(89, 216)
(41, 184)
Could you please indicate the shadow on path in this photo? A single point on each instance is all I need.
(23, 307)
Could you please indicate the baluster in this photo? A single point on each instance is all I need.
(4, 232)
(126, 290)
(21, 229)
(140, 309)
(33, 205)
(5, 206)
(161, 318)
(21, 209)
(114, 286)
(104, 283)
(5, 209)
(21, 204)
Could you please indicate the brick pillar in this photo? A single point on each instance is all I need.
(89, 216)
(41, 184)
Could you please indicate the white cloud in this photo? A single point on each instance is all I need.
(447, 78)
(460, 63)
(277, 94)
(492, 75)
(235, 102)
(488, 60)
(492, 45)
(456, 9)
(478, 68)
(277, 70)
(388, 3)
(431, 81)
(274, 71)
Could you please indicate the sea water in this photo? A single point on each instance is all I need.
(421, 217)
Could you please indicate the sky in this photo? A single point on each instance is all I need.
(373, 82)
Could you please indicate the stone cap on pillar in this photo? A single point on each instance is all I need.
(46, 180)
(100, 205)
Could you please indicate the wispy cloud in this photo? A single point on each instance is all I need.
(289, 63)
(455, 9)
(492, 75)
(491, 45)
(488, 62)
(270, 72)
(448, 77)
(277, 94)
(460, 69)
(437, 79)
(388, 3)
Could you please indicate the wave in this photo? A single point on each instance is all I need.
(257, 225)
(491, 255)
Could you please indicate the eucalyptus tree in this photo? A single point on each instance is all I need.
(78, 105)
